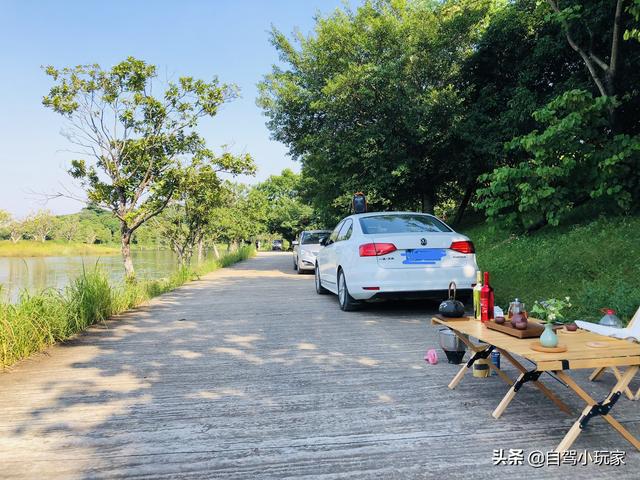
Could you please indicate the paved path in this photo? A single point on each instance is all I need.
(250, 374)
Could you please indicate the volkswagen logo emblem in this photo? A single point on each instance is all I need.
(423, 241)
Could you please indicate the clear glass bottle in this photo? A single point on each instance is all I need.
(476, 295)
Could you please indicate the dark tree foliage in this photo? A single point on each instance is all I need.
(419, 102)
(367, 102)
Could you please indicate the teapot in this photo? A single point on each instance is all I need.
(452, 308)
(518, 315)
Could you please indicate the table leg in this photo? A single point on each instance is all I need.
(501, 374)
(456, 380)
(477, 349)
(478, 352)
(596, 373)
(527, 376)
(551, 396)
(594, 408)
(616, 372)
(506, 400)
(627, 390)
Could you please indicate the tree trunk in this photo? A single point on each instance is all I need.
(427, 202)
(129, 272)
(464, 203)
(200, 250)
(216, 253)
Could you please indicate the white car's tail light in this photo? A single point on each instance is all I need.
(376, 249)
(464, 246)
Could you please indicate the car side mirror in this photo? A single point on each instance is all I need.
(323, 241)
(294, 243)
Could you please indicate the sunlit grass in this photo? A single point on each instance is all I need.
(39, 320)
(52, 248)
(59, 248)
(596, 263)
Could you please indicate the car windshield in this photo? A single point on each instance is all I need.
(401, 224)
(313, 238)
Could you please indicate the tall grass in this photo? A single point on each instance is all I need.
(596, 263)
(37, 321)
(31, 248)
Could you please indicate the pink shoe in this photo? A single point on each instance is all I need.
(431, 356)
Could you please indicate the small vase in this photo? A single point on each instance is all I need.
(548, 337)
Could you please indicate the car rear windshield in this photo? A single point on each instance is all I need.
(313, 238)
(401, 224)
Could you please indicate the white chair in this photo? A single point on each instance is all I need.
(630, 332)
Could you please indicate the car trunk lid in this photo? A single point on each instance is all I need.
(421, 250)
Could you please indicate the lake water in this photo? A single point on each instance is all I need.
(38, 273)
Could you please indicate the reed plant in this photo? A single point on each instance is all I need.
(39, 320)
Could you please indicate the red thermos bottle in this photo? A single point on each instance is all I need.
(486, 300)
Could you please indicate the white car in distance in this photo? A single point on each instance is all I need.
(394, 255)
(305, 249)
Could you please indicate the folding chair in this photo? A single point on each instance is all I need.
(630, 332)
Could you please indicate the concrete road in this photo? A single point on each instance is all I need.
(249, 374)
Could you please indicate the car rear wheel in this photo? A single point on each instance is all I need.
(295, 264)
(320, 290)
(346, 301)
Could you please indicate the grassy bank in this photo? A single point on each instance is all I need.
(40, 320)
(53, 248)
(596, 263)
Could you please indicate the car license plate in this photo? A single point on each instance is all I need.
(423, 256)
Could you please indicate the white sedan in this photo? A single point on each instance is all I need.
(394, 255)
(305, 249)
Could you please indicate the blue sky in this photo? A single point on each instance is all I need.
(182, 37)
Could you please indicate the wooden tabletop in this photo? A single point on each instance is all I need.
(578, 354)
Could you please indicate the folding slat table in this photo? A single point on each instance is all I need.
(579, 355)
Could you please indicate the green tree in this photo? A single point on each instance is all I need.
(40, 225)
(287, 213)
(632, 31)
(17, 230)
(66, 227)
(187, 221)
(133, 138)
(5, 221)
(241, 217)
(10, 227)
(583, 141)
(520, 63)
(571, 161)
(368, 101)
(87, 234)
(575, 17)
